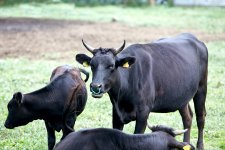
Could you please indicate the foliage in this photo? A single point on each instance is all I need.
(96, 2)
(80, 2)
(13, 2)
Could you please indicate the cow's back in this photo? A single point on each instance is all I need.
(168, 71)
(69, 95)
(91, 139)
(73, 86)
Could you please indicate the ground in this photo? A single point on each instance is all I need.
(36, 38)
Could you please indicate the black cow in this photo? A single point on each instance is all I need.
(58, 103)
(162, 138)
(162, 76)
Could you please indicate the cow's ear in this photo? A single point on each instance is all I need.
(53, 74)
(125, 62)
(18, 96)
(83, 59)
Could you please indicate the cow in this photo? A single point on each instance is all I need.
(58, 103)
(161, 138)
(161, 76)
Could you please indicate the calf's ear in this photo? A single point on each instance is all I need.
(83, 59)
(125, 62)
(18, 96)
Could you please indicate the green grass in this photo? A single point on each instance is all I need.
(28, 75)
(174, 17)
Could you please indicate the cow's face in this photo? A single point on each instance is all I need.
(104, 65)
(18, 115)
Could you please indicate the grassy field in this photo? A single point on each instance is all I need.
(204, 18)
(26, 75)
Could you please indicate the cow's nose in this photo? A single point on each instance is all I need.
(8, 125)
(96, 88)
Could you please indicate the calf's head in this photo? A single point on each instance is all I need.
(18, 113)
(104, 65)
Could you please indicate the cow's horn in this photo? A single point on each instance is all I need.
(118, 50)
(178, 132)
(149, 126)
(89, 48)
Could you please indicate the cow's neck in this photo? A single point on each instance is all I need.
(39, 101)
(121, 84)
(31, 106)
(114, 92)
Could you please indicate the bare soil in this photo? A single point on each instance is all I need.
(37, 38)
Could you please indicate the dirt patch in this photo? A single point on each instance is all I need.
(35, 38)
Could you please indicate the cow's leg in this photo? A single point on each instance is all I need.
(117, 124)
(199, 102)
(51, 136)
(141, 120)
(186, 114)
(70, 125)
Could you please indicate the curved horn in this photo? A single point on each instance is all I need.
(149, 126)
(89, 48)
(179, 132)
(118, 50)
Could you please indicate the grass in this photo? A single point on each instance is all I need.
(179, 17)
(22, 74)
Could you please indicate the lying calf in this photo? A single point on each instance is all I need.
(58, 103)
(162, 138)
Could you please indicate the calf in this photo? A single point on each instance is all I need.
(58, 103)
(162, 138)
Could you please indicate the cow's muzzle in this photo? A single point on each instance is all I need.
(8, 125)
(96, 90)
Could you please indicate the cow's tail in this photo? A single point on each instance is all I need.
(70, 107)
(166, 129)
(86, 73)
